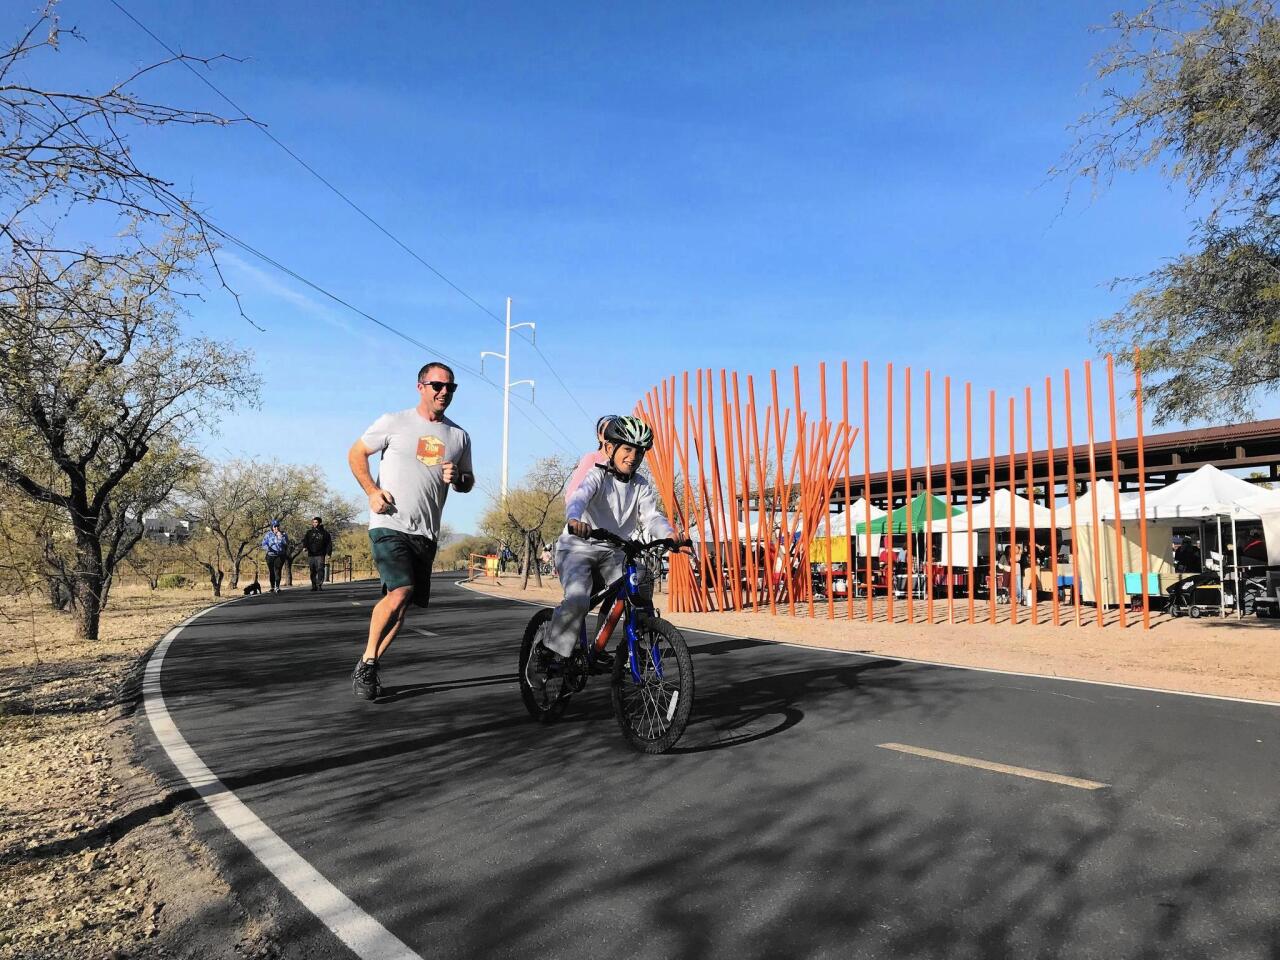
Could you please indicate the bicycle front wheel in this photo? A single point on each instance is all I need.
(654, 710)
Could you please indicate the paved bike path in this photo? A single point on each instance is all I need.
(778, 828)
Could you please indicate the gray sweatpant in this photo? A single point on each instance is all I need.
(576, 561)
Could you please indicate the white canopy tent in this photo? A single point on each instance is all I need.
(858, 512)
(1266, 505)
(1106, 503)
(1208, 492)
(1007, 509)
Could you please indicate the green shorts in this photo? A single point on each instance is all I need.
(404, 560)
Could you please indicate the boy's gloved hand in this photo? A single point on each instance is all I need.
(579, 528)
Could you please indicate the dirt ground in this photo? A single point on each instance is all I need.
(96, 860)
(1236, 658)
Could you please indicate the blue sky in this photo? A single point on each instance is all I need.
(657, 186)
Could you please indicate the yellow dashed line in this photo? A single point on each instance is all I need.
(995, 767)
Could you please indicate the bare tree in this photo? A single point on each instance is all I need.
(68, 148)
(532, 513)
(234, 503)
(334, 509)
(98, 393)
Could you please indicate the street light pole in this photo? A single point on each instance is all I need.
(507, 384)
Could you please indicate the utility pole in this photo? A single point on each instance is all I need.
(506, 388)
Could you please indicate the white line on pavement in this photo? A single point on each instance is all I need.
(425, 633)
(366, 937)
(1026, 772)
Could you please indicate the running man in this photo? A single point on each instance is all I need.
(424, 453)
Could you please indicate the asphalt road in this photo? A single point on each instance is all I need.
(778, 828)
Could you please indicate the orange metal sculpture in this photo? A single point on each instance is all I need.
(759, 481)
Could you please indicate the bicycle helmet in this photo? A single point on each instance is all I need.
(629, 430)
(604, 422)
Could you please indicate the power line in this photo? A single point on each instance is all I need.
(346, 199)
(288, 271)
(306, 166)
(184, 212)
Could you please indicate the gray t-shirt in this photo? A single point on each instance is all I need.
(413, 450)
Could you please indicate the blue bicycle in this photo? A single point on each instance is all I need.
(651, 672)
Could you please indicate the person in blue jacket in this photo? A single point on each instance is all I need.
(275, 544)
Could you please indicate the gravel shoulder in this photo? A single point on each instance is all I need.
(1232, 658)
(97, 858)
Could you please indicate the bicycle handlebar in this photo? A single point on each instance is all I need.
(610, 537)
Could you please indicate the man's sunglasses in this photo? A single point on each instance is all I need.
(437, 385)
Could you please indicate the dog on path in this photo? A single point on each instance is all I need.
(253, 588)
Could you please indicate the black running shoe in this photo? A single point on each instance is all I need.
(364, 680)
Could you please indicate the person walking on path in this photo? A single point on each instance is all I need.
(276, 545)
(424, 454)
(319, 547)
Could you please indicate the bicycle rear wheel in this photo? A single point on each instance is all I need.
(653, 712)
(543, 696)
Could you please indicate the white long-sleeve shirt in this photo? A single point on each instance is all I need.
(624, 509)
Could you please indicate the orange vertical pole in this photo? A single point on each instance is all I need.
(725, 565)
(991, 499)
(782, 502)
(767, 512)
(910, 492)
(1071, 503)
(1031, 517)
(704, 506)
(848, 502)
(699, 505)
(681, 570)
(866, 480)
(1014, 572)
(928, 491)
(968, 474)
(789, 531)
(826, 504)
(803, 570)
(780, 492)
(731, 497)
(696, 581)
(1093, 492)
(716, 503)
(888, 521)
(744, 469)
(678, 569)
(1053, 498)
(709, 500)
(1115, 487)
(950, 559)
(763, 527)
(1142, 488)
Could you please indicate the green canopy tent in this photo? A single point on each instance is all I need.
(913, 517)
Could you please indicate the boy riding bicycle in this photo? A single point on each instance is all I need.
(615, 497)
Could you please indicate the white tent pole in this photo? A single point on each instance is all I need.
(1235, 557)
(1222, 607)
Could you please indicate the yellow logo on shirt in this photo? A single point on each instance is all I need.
(431, 451)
